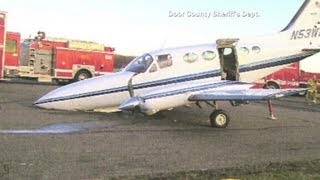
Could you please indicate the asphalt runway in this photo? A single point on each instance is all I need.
(47, 144)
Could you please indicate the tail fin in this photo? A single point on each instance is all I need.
(306, 19)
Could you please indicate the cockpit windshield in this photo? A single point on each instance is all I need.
(140, 64)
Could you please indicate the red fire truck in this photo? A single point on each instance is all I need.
(2, 41)
(293, 76)
(48, 59)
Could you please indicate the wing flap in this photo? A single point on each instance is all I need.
(244, 95)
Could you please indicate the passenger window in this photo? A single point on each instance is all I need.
(244, 50)
(208, 55)
(227, 51)
(190, 57)
(256, 49)
(153, 68)
(164, 61)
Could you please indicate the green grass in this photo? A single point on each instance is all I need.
(286, 175)
(273, 171)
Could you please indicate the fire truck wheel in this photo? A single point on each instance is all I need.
(62, 82)
(271, 85)
(82, 75)
(303, 86)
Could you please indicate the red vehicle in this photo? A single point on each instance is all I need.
(293, 76)
(50, 59)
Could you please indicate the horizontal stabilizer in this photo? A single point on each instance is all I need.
(244, 95)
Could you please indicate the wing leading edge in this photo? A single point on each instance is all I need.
(244, 95)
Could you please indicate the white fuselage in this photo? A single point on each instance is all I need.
(185, 66)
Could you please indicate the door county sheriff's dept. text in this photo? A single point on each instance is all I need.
(213, 14)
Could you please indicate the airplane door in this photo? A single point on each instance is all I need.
(2, 42)
(229, 64)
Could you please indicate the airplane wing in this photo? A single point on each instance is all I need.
(179, 95)
(312, 48)
(244, 95)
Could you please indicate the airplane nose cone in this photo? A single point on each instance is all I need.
(130, 104)
(47, 100)
(90, 94)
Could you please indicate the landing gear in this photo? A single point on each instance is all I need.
(219, 119)
(272, 117)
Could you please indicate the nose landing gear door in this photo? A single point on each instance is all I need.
(229, 64)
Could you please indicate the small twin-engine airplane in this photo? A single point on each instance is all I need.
(170, 78)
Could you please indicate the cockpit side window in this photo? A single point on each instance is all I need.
(153, 68)
(140, 64)
(164, 61)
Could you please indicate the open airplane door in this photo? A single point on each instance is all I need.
(2, 42)
(229, 63)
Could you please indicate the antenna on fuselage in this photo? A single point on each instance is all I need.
(165, 41)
